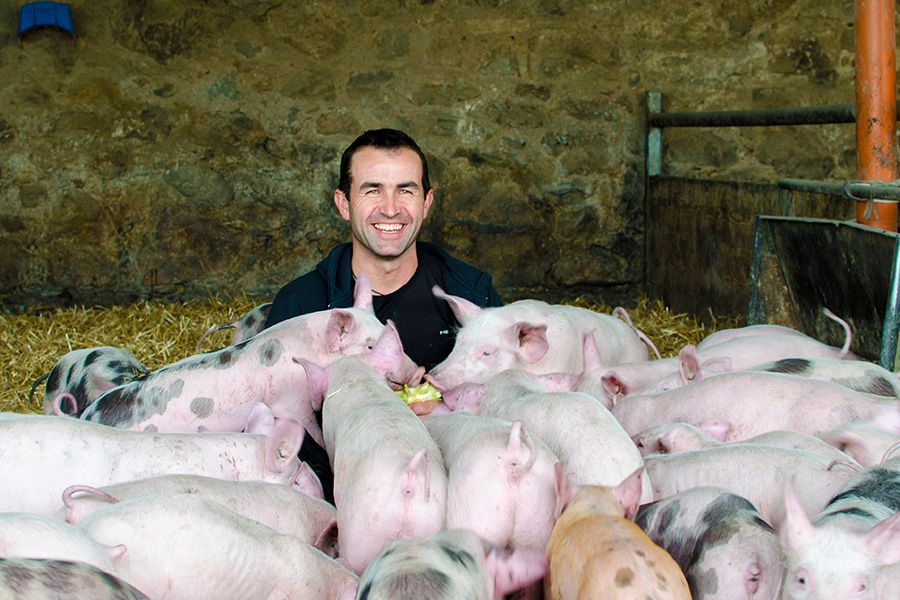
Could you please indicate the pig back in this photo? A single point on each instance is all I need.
(730, 466)
(593, 448)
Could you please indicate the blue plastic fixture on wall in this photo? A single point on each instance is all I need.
(45, 14)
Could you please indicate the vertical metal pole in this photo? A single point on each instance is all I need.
(876, 106)
(891, 325)
(654, 136)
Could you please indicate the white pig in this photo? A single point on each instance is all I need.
(868, 443)
(182, 546)
(758, 473)
(389, 478)
(278, 506)
(503, 483)
(454, 564)
(751, 403)
(42, 455)
(859, 375)
(47, 579)
(669, 438)
(219, 390)
(532, 336)
(28, 535)
(587, 439)
(851, 548)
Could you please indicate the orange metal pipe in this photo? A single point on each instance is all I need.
(876, 106)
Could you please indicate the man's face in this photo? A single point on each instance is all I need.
(387, 204)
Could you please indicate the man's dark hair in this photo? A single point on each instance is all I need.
(386, 139)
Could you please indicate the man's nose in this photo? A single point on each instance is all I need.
(390, 205)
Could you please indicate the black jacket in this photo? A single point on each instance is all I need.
(330, 284)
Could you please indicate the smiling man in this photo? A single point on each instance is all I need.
(385, 194)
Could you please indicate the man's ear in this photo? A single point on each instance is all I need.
(343, 204)
(429, 198)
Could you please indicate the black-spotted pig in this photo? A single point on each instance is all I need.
(720, 541)
(454, 564)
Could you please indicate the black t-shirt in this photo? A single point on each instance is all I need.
(426, 324)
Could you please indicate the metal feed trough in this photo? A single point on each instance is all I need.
(801, 265)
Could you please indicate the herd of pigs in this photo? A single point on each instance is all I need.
(563, 461)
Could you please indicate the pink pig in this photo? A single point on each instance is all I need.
(503, 483)
(183, 546)
(751, 403)
(389, 478)
(530, 335)
(219, 391)
(584, 435)
(67, 451)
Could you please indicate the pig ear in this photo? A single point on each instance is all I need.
(689, 363)
(341, 325)
(116, 552)
(796, 528)
(98, 385)
(317, 379)
(533, 343)
(462, 309)
(362, 293)
(308, 482)
(388, 345)
(883, 540)
(283, 444)
(512, 571)
(261, 419)
(591, 353)
(327, 540)
(613, 385)
(628, 493)
(715, 428)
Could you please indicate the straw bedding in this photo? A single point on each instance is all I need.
(160, 333)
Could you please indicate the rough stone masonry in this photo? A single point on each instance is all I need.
(172, 149)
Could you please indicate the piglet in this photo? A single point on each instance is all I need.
(453, 563)
(758, 473)
(595, 551)
(218, 391)
(389, 478)
(37, 536)
(276, 505)
(753, 402)
(48, 579)
(669, 438)
(869, 443)
(87, 374)
(183, 546)
(860, 375)
(851, 548)
(532, 336)
(723, 546)
(589, 442)
(38, 457)
(503, 483)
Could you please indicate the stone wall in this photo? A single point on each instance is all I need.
(174, 149)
